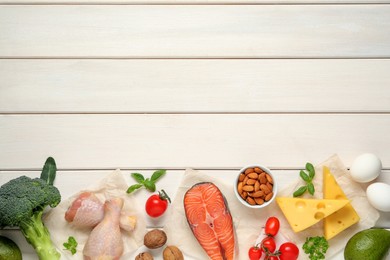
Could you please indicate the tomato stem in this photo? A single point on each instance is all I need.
(164, 196)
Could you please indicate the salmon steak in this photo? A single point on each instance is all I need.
(209, 218)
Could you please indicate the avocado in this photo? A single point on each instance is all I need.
(369, 244)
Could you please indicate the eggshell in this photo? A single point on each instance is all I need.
(378, 194)
(366, 167)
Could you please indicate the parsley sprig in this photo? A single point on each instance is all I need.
(308, 178)
(315, 247)
(148, 183)
(71, 245)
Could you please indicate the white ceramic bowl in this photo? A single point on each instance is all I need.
(274, 188)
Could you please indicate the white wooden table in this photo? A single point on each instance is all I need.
(209, 84)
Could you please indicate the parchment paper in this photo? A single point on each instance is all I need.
(113, 185)
(248, 222)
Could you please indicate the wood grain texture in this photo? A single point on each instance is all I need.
(178, 141)
(179, 86)
(276, 31)
(218, 2)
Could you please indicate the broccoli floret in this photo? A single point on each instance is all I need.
(22, 201)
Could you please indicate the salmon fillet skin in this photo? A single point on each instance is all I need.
(209, 218)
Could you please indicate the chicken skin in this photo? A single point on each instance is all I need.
(105, 241)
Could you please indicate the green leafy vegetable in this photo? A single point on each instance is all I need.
(148, 183)
(300, 191)
(315, 247)
(157, 175)
(308, 177)
(71, 245)
(22, 202)
(49, 170)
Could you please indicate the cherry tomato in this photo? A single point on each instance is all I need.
(157, 204)
(272, 226)
(288, 251)
(254, 253)
(269, 244)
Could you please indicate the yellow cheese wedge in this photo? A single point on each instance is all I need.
(342, 218)
(303, 213)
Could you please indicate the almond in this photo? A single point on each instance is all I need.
(242, 177)
(262, 178)
(269, 196)
(251, 182)
(257, 194)
(264, 188)
(257, 185)
(269, 185)
(250, 201)
(239, 187)
(244, 194)
(269, 178)
(248, 188)
(249, 170)
(253, 175)
(258, 170)
(259, 201)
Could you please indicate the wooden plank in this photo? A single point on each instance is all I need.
(197, 31)
(138, 86)
(122, 2)
(211, 141)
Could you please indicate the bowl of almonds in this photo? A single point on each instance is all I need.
(255, 186)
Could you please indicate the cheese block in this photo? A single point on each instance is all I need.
(342, 218)
(303, 213)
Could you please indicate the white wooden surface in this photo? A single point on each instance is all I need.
(213, 85)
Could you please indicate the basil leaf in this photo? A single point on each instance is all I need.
(138, 177)
(134, 187)
(304, 176)
(149, 185)
(157, 175)
(49, 170)
(310, 168)
(310, 188)
(300, 191)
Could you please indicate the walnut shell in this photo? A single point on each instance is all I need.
(172, 253)
(155, 238)
(144, 256)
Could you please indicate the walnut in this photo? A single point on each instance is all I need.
(172, 253)
(144, 256)
(155, 238)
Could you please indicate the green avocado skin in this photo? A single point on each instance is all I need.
(369, 244)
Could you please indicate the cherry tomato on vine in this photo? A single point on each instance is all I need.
(271, 257)
(272, 226)
(288, 251)
(269, 244)
(157, 204)
(254, 253)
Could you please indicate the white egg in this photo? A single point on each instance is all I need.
(366, 167)
(378, 194)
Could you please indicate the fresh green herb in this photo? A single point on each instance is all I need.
(316, 247)
(49, 170)
(308, 177)
(148, 183)
(71, 245)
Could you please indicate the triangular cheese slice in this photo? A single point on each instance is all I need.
(303, 213)
(344, 217)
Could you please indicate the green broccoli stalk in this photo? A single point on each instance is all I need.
(22, 202)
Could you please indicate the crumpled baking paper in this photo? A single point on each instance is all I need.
(113, 185)
(248, 222)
